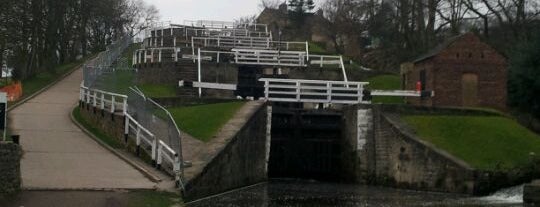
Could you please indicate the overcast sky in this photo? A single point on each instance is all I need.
(177, 11)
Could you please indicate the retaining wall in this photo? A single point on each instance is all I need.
(235, 161)
(389, 154)
(10, 168)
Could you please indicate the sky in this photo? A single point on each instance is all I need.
(177, 11)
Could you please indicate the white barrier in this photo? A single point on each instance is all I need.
(103, 99)
(313, 91)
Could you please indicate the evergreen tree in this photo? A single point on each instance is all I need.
(524, 82)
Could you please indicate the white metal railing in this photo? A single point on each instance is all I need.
(165, 153)
(103, 99)
(270, 57)
(226, 24)
(142, 135)
(313, 91)
(323, 60)
(246, 42)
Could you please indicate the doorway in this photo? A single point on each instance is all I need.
(469, 87)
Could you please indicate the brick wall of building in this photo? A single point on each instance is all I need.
(445, 70)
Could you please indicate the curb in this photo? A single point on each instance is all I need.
(87, 189)
(139, 168)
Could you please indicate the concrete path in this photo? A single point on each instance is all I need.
(58, 155)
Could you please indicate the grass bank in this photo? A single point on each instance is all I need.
(485, 142)
(204, 121)
(33, 84)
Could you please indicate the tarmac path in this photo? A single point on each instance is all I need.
(58, 155)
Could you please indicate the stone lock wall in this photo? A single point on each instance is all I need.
(10, 168)
(405, 161)
(237, 162)
(383, 151)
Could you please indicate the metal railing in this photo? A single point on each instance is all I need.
(270, 57)
(103, 100)
(156, 119)
(313, 91)
(247, 43)
(143, 137)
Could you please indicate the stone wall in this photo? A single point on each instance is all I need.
(234, 162)
(387, 153)
(10, 168)
(111, 124)
(404, 160)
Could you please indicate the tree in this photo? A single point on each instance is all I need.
(298, 9)
(524, 81)
(271, 4)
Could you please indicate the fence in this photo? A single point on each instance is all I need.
(104, 100)
(105, 80)
(313, 91)
(96, 69)
(153, 117)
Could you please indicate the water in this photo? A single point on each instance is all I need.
(312, 194)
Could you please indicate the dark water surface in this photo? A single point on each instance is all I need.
(305, 193)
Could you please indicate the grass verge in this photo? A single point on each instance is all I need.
(204, 121)
(386, 82)
(98, 133)
(40, 80)
(158, 90)
(153, 199)
(485, 142)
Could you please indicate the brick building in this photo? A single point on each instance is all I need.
(463, 71)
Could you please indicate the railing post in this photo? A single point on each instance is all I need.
(298, 91)
(138, 140)
(307, 50)
(124, 106)
(159, 55)
(126, 128)
(266, 89)
(154, 148)
(95, 99)
(199, 70)
(113, 101)
(159, 156)
(360, 94)
(102, 101)
(329, 92)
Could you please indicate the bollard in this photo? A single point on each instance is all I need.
(15, 139)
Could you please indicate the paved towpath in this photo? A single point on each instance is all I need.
(58, 155)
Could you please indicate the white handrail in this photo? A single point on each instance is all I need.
(103, 99)
(313, 91)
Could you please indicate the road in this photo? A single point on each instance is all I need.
(58, 155)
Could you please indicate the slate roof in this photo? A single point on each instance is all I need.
(438, 49)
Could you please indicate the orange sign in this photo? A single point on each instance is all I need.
(14, 91)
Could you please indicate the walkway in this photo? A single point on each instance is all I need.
(58, 155)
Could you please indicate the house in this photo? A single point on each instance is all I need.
(315, 28)
(462, 72)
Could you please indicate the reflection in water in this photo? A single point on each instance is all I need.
(305, 193)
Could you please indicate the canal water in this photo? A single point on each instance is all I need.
(312, 194)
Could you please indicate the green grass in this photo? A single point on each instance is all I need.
(485, 142)
(98, 133)
(119, 81)
(158, 90)
(40, 80)
(317, 48)
(204, 121)
(153, 199)
(386, 82)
